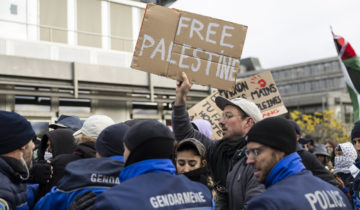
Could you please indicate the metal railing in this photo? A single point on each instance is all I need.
(126, 44)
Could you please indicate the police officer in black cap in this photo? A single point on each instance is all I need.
(16, 150)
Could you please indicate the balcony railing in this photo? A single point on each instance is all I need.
(64, 35)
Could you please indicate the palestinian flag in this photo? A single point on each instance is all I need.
(350, 66)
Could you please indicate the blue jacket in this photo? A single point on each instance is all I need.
(152, 184)
(356, 189)
(291, 186)
(95, 174)
(31, 192)
(12, 189)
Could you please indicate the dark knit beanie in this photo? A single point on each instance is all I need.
(274, 132)
(149, 139)
(356, 130)
(111, 140)
(15, 131)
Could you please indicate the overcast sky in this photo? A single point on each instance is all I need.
(283, 32)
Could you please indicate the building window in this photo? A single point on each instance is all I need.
(307, 71)
(275, 75)
(121, 27)
(335, 66)
(301, 87)
(13, 9)
(322, 84)
(89, 23)
(32, 103)
(53, 21)
(348, 113)
(329, 83)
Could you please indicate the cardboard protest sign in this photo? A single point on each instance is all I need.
(260, 88)
(207, 110)
(173, 41)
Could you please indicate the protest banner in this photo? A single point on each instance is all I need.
(260, 88)
(208, 50)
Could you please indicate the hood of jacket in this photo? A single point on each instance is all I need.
(61, 140)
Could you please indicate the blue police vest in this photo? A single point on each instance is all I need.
(155, 187)
(291, 187)
(95, 174)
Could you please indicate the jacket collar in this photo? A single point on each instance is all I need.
(13, 169)
(286, 167)
(147, 166)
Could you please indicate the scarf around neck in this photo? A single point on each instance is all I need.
(198, 175)
(288, 166)
(220, 159)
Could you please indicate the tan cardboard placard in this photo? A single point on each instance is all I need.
(260, 88)
(173, 41)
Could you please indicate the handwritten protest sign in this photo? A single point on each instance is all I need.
(173, 41)
(260, 88)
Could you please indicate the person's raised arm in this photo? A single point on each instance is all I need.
(180, 118)
(182, 89)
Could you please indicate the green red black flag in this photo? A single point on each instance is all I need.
(350, 65)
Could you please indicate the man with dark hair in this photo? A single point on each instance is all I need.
(271, 151)
(16, 150)
(148, 180)
(235, 183)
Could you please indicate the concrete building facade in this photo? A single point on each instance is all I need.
(312, 87)
(73, 57)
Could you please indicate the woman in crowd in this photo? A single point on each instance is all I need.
(345, 156)
(330, 146)
(190, 160)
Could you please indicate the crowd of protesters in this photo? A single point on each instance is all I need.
(143, 164)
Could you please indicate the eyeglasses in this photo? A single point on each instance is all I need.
(228, 115)
(254, 151)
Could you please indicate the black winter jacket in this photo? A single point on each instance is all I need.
(12, 189)
(241, 185)
(312, 164)
(84, 150)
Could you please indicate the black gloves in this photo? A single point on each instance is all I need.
(40, 172)
(83, 201)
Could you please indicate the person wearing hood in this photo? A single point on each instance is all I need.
(190, 160)
(323, 156)
(148, 180)
(53, 144)
(16, 152)
(203, 126)
(90, 174)
(56, 142)
(344, 169)
(271, 151)
(85, 139)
